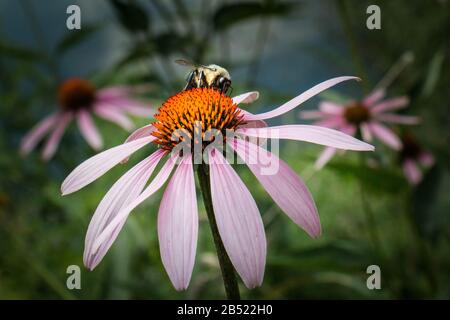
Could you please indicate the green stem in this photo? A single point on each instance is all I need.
(431, 269)
(372, 226)
(228, 274)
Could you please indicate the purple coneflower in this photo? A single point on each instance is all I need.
(366, 116)
(78, 98)
(236, 215)
(412, 157)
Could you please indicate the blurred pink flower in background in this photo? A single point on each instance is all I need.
(366, 116)
(412, 157)
(238, 219)
(79, 99)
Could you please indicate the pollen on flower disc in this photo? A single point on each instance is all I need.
(193, 110)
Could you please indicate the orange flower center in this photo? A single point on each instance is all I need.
(75, 94)
(356, 113)
(195, 113)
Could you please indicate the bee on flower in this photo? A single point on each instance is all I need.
(195, 111)
(79, 100)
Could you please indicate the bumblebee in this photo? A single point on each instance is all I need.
(210, 76)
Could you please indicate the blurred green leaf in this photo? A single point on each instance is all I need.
(74, 37)
(131, 15)
(230, 14)
(423, 203)
(434, 72)
(376, 179)
(170, 42)
(20, 53)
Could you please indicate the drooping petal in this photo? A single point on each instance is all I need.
(110, 93)
(374, 97)
(386, 135)
(390, 105)
(55, 137)
(314, 134)
(36, 134)
(142, 132)
(349, 129)
(412, 172)
(114, 114)
(123, 214)
(178, 225)
(400, 119)
(282, 183)
(329, 107)
(324, 157)
(145, 131)
(247, 97)
(121, 194)
(113, 93)
(332, 122)
(365, 132)
(251, 123)
(89, 130)
(238, 220)
(312, 114)
(134, 107)
(96, 166)
(291, 104)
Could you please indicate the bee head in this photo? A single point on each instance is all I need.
(223, 83)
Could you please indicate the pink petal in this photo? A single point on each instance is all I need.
(319, 135)
(390, 104)
(331, 108)
(110, 93)
(284, 185)
(385, 134)
(113, 92)
(395, 118)
(142, 132)
(311, 115)
(301, 98)
(121, 194)
(55, 137)
(324, 157)
(115, 115)
(122, 216)
(348, 129)
(134, 107)
(96, 166)
(33, 137)
(247, 97)
(88, 130)
(145, 131)
(365, 132)
(332, 122)
(426, 159)
(238, 220)
(178, 225)
(374, 97)
(412, 172)
(251, 123)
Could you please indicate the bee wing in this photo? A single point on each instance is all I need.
(185, 62)
(190, 63)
